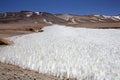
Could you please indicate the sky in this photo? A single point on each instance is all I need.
(80, 7)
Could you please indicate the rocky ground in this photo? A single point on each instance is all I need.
(11, 72)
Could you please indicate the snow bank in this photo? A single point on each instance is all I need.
(116, 18)
(85, 54)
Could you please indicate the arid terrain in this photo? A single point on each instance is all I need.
(11, 72)
(12, 29)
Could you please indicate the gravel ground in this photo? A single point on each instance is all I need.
(10, 72)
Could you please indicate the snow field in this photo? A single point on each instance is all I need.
(85, 54)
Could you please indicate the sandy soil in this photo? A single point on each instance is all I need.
(10, 72)
(7, 30)
(113, 25)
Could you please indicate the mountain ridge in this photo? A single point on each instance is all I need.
(49, 18)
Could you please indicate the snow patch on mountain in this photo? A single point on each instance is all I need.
(44, 20)
(112, 17)
(97, 15)
(38, 13)
(117, 17)
(29, 14)
(65, 16)
(73, 21)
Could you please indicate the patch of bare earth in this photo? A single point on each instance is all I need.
(106, 25)
(13, 29)
(10, 72)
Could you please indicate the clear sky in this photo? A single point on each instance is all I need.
(80, 7)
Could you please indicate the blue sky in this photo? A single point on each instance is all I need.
(80, 7)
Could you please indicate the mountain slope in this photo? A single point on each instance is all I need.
(29, 16)
(48, 18)
(88, 18)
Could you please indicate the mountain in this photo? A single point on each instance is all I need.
(30, 17)
(88, 18)
(48, 18)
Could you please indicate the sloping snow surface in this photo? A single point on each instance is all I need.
(85, 54)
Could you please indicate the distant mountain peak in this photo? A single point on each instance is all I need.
(48, 18)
